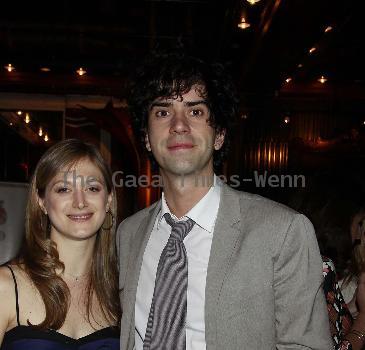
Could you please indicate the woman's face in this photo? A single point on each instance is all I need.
(357, 225)
(76, 201)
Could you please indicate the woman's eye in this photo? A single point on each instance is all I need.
(62, 190)
(94, 189)
(162, 113)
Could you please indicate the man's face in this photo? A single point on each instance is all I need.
(179, 134)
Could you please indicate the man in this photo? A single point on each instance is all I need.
(208, 267)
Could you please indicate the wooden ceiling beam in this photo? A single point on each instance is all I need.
(267, 17)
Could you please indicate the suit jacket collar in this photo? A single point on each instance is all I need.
(140, 241)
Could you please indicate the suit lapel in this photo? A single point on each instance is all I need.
(227, 231)
(134, 266)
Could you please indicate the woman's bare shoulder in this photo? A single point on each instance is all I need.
(7, 283)
(6, 280)
(7, 298)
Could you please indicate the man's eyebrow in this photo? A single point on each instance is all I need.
(195, 103)
(187, 103)
(160, 104)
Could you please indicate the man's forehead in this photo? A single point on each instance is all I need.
(195, 92)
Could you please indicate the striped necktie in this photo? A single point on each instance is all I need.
(166, 320)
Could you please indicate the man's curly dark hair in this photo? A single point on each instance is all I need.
(171, 76)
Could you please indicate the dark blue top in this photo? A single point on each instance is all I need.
(29, 338)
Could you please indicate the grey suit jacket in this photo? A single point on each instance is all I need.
(264, 280)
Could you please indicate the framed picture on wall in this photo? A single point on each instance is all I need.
(13, 198)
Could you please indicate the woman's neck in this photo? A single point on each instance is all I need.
(76, 256)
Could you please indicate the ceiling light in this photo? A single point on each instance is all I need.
(286, 120)
(322, 79)
(27, 118)
(45, 69)
(311, 50)
(46, 137)
(19, 112)
(81, 71)
(288, 80)
(300, 65)
(328, 29)
(40, 131)
(9, 67)
(253, 2)
(243, 24)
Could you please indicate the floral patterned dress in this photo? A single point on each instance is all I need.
(338, 312)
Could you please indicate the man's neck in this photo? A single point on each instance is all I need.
(184, 192)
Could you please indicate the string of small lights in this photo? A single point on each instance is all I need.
(322, 78)
(11, 68)
(36, 127)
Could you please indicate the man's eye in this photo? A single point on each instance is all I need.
(196, 112)
(162, 113)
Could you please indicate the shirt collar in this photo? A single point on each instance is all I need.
(204, 213)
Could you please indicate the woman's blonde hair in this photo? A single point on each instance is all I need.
(357, 262)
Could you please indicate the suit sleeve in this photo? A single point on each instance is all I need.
(300, 307)
(122, 243)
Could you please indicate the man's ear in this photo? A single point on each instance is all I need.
(219, 139)
(147, 141)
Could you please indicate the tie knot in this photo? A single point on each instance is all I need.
(179, 229)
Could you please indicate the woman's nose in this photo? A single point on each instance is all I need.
(79, 199)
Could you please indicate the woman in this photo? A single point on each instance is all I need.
(357, 262)
(347, 334)
(62, 290)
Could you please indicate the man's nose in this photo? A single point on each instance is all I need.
(179, 123)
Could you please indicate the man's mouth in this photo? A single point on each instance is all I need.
(180, 146)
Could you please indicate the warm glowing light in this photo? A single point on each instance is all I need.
(244, 116)
(311, 50)
(253, 2)
(288, 80)
(9, 67)
(300, 65)
(81, 71)
(45, 69)
(11, 124)
(19, 112)
(27, 118)
(286, 120)
(363, 122)
(328, 29)
(46, 137)
(243, 24)
(40, 131)
(322, 79)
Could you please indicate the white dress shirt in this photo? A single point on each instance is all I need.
(197, 243)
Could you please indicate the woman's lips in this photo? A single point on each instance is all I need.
(80, 217)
